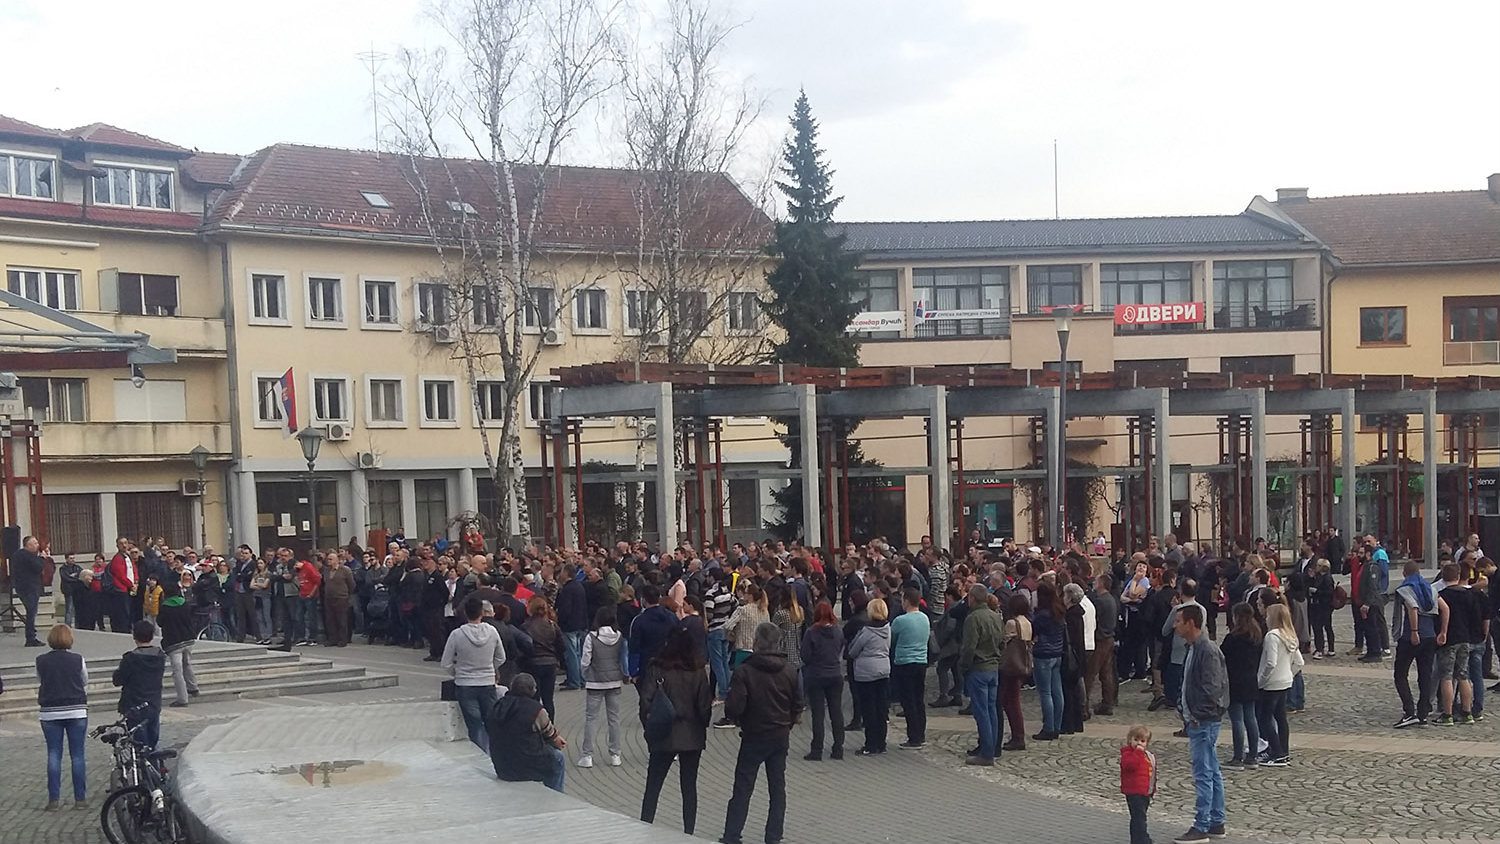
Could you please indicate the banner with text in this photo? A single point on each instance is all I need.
(1170, 312)
(878, 321)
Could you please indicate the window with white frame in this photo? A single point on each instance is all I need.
(539, 402)
(385, 401)
(268, 297)
(438, 402)
(380, 302)
(147, 295)
(692, 310)
(642, 311)
(325, 299)
(490, 401)
(541, 307)
(433, 305)
(268, 400)
(743, 312)
(133, 187)
(591, 309)
(330, 400)
(484, 311)
(53, 288)
(32, 178)
(55, 399)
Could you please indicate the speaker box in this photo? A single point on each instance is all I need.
(10, 539)
(1489, 534)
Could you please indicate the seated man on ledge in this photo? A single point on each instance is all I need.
(524, 744)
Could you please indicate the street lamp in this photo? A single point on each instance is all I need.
(311, 439)
(1062, 316)
(200, 462)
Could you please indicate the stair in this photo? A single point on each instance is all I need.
(223, 671)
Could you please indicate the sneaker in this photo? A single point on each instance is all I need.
(1443, 721)
(1478, 717)
(1181, 733)
(1406, 721)
(1251, 764)
(1281, 762)
(585, 762)
(52, 806)
(912, 745)
(813, 756)
(1217, 832)
(1318, 655)
(615, 761)
(81, 805)
(1191, 836)
(980, 761)
(866, 751)
(1156, 703)
(1495, 688)
(1386, 653)
(1354, 651)
(1467, 720)
(1372, 658)
(1423, 722)
(723, 724)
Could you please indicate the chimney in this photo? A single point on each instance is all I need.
(1290, 195)
(1495, 186)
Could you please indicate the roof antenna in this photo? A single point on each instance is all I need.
(372, 60)
(1056, 215)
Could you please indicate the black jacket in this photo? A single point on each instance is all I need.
(1242, 661)
(765, 698)
(177, 628)
(692, 698)
(434, 594)
(823, 652)
(596, 597)
(572, 608)
(518, 752)
(139, 677)
(26, 570)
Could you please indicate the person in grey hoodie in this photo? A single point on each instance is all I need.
(603, 669)
(823, 678)
(472, 656)
(870, 652)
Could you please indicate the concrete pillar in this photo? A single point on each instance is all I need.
(356, 518)
(1347, 434)
(1431, 442)
(109, 525)
(1260, 521)
(812, 510)
(666, 470)
(1055, 428)
(247, 510)
(1018, 302)
(409, 508)
(468, 492)
(1092, 286)
(1162, 471)
(195, 519)
(1206, 291)
(941, 489)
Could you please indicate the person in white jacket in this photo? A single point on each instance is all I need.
(472, 656)
(1280, 662)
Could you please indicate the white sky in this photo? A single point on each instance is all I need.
(931, 109)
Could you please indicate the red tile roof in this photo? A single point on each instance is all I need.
(212, 169)
(1403, 228)
(98, 214)
(10, 126)
(107, 135)
(293, 187)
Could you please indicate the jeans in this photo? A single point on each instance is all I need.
(263, 616)
(718, 658)
(1171, 679)
(574, 640)
(475, 703)
(1246, 729)
(1047, 673)
(1476, 677)
(982, 688)
(1138, 804)
(874, 706)
(1296, 696)
(657, 769)
(183, 681)
(825, 697)
(29, 599)
(74, 730)
(610, 700)
(910, 680)
(555, 779)
(307, 619)
(1377, 637)
(1270, 712)
(1424, 655)
(149, 731)
(1208, 780)
(755, 752)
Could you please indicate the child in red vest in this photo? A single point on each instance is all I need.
(1138, 780)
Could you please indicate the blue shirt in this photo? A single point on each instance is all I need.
(909, 632)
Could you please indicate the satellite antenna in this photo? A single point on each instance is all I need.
(372, 60)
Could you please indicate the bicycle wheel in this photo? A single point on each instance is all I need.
(126, 812)
(214, 632)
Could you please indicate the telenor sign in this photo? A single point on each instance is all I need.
(1172, 312)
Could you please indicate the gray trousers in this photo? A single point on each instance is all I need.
(183, 681)
(610, 700)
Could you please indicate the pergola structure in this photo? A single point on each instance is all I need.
(682, 397)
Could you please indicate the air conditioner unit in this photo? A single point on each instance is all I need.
(551, 337)
(367, 460)
(338, 432)
(444, 334)
(191, 487)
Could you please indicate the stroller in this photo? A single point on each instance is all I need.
(377, 614)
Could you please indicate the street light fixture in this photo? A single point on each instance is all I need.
(1062, 317)
(200, 462)
(311, 440)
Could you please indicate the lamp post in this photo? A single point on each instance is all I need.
(200, 462)
(1062, 316)
(311, 439)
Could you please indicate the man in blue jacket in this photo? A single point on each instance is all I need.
(649, 631)
(573, 618)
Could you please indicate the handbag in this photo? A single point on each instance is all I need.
(1015, 657)
(449, 691)
(661, 715)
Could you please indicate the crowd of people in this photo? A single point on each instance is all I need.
(760, 632)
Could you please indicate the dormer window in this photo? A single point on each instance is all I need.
(133, 187)
(376, 200)
(24, 176)
(460, 207)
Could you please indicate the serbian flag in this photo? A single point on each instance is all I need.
(286, 396)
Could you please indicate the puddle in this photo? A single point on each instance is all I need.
(333, 773)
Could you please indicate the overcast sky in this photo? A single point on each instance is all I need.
(931, 109)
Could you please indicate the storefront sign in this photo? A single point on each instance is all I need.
(926, 314)
(878, 321)
(1172, 313)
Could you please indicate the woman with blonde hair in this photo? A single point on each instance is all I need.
(870, 652)
(1280, 662)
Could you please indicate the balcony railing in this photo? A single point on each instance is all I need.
(1472, 351)
(1283, 315)
(977, 329)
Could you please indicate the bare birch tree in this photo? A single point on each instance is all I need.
(481, 125)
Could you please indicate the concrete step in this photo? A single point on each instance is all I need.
(210, 657)
(217, 670)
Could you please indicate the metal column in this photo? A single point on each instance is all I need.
(940, 487)
(1260, 520)
(807, 411)
(1347, 422)
(1430, 445)
(666, 469)
(1163, 515)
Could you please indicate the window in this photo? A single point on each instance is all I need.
(153, 401)
(491, 401)
(437, 402)
(483, 307)
(692, 311)
(73, 523)
(460, 207)
(1487, 434)
(148, 295)
(744, 509)
(1052, 286)
(330, 400)
(1168, 366)
(164, 514)
(433, 305)
(539, 402)
(386, 405)
(1381, 326)
(1256, 294)
(432, 507)
(380, 302)
(877, 291)
(642, 311)
(268, 297)
(268, 400)
(1259, 365)
(590, 309)
(743, 310)
(385, 504)
(28, 177)
(53, 288)
(541, 307)
(55, 399)
(1471, 320)
(376, 200)
(325, 299)
(1145, 284)
(946, 292)
(133, 187)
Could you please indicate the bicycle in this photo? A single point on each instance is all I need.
(141, 806)
(213, 629)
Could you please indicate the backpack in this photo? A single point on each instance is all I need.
(380, 603)
(661, 716)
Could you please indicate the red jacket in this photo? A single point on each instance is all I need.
(308, 579)
(122, 572)
(1137, 772)
(1356, 566)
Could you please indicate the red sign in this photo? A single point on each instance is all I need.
(1172, 312)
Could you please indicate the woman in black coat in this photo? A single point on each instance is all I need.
(1074, 660)
(679, 672)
